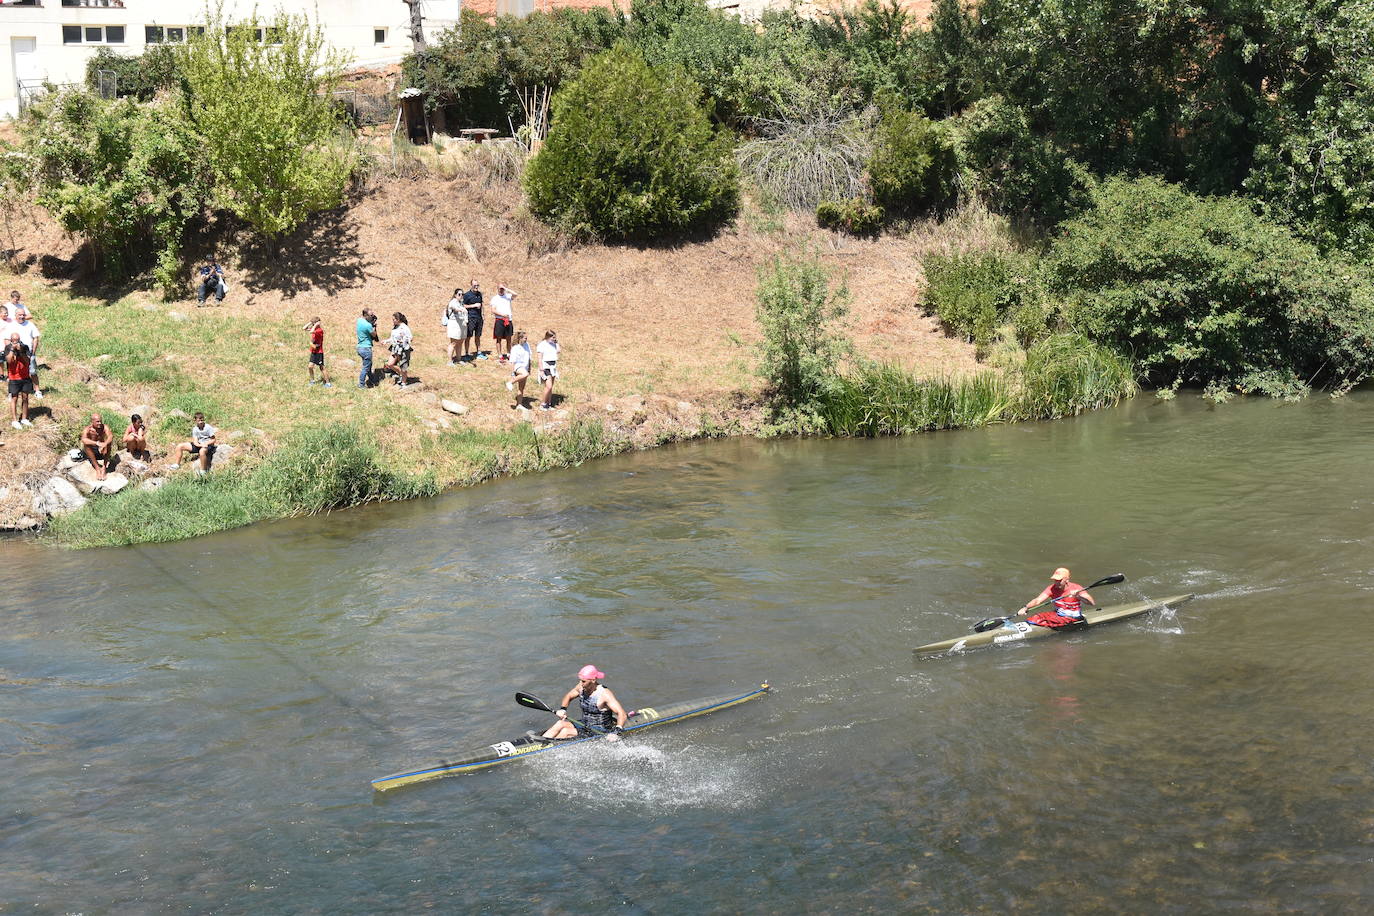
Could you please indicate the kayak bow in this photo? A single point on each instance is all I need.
(1018, 630)
(524, 746)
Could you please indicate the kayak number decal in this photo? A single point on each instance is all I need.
(1021, 628)
(507, 749)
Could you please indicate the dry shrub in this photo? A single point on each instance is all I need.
(818, 156)
(498, 162)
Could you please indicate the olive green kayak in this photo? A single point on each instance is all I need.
(1018, 630)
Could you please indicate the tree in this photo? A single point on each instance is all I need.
(631, 154)
(417, 24)
(275, 139)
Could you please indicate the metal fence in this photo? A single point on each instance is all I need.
(367, 109)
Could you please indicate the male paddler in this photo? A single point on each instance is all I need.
(1066, 596)
(600, 708)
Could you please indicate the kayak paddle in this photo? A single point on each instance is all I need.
(524, 699)
(993, 623)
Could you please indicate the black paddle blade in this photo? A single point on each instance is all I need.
(524, 699)
(991, 623)
(1109, 580)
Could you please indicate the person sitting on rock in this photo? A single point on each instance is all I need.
(97, 443)
(210, 279)
(202, 445)
(136, 439)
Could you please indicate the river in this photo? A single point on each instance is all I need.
(193, 727)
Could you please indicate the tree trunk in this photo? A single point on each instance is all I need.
(417, 25)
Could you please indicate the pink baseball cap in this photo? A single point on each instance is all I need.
(589, 673)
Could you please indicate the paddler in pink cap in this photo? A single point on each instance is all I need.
(600, 709)
(1065, 595)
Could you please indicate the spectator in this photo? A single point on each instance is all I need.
(6, 325)
(502, 321)
(548, 367)
(367, 335)
(210, 278)
(202, 445)
(472, 300)
(136, 439)
(519, 368)
(29, 333)
(399, 343)
(316, 331)
(17, 362)
(97, 443)
(455, 322)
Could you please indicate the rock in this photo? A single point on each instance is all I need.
(143, 410)
(83, 475)
(102, 357)
(222, 453)
(410, 388)
(177, 316)
(453, 407)
(57, 497)
(153, 483)
(257, 432)
(178, 415)
(134, 466)
(70, 460)
(25, 523)
(524, 413)
(235, 434)
(346, 363)
(254, 336)
(443, 422)
(111, 405)
(429, 397)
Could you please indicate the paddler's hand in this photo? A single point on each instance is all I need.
(562, 712)
(613, 734)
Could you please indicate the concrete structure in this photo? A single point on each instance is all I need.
(51, 40)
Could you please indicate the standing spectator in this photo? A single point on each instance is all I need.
(472, 299)
(136, 439)
(17, 361)
(367, 335)
(519, 368)
(6, 325)
(202, 445)
(210, 279)
(455, 322)
(97, 443)
(502, 321)
(29, 333)
(316, 331)
(399, 343)
(548, 368)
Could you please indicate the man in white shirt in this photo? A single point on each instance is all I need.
(29, 334)
(202, 444)
(502, 321)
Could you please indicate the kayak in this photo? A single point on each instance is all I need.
(526, 746)
(1018, 630)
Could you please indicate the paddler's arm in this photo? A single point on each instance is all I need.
(1038, 599)
(1088, 598)
(614, 706)
(562, 711)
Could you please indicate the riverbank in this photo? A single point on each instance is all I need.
(657, 342)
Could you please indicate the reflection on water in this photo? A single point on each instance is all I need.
(193, 726)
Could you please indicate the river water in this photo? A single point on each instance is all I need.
(193, 727)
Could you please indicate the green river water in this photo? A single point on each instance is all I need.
(192, 727)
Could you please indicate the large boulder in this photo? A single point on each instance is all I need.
(453, 407)
(83, 475)
(57, 497)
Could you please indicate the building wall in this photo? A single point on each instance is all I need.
(349, 25)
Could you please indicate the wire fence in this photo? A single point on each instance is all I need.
(367, 109)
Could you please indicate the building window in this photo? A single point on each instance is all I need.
(93, 34)
(172, 34)
(379, 36)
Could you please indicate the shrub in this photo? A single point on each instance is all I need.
(141, 76)
(1201, 289)
(1017, 172)
(854, 216)
(128, 178)
(800, 351)
(912, 170)
(886, 400)
(631, 154)
(707, 44)
(267, 121)
(815, 156)
(974, 293)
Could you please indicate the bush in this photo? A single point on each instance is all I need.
(913, 167)
(1067, 373)
(631, 154)
(886, 400)
(140, 76)
(975, 293)
(800, 350)
(854, 216)
(1200, 290)
(274, 137)
(812, 157)
(707, 44)
(128, 178)
(1018, 173)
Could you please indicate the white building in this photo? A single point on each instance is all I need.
(51, 40)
